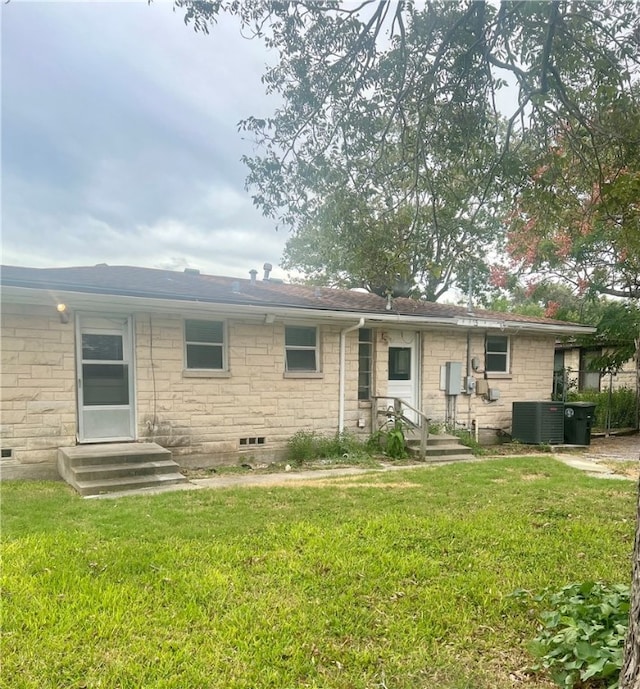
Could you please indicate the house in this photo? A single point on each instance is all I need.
(215, 368)
(573, 370)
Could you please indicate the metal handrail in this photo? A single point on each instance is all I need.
(397, 412)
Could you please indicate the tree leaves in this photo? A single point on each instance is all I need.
(437, 116)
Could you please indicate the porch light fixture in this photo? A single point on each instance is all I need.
(63, 312)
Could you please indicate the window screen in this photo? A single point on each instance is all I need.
(301, 348)
(365, 363)
(204, 341)
(496, 358)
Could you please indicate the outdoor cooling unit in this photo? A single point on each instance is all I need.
(538, 423)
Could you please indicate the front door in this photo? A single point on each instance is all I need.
(403, 369)
(105, 379)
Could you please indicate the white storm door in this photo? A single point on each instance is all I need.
(403, 370)
(105, 379)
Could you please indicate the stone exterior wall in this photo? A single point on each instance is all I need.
(205, 415)
(37, 395)
(251, 409)
(530, 378)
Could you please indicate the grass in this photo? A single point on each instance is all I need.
(387, 580)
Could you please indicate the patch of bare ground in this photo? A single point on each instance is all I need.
(338, 483)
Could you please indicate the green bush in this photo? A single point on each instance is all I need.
(305, 446)
(390, 440)
(582, 634)
(622, 402)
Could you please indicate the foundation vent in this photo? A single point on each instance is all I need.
(252, 440)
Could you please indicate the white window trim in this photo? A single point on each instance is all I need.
(204, 372)
(507, 370)
(303, 373)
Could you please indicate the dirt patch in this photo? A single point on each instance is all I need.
(337, 483)
(533, 477)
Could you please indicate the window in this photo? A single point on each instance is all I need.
(301, 348)
(399, 363)
(589, 378)
(496, 357)
(204, 341)
(365, 361)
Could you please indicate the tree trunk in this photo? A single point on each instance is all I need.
(630, 674)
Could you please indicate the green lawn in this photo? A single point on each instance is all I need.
(392, 580)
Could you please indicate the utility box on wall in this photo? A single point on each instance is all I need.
(452, 378)
(538, 423)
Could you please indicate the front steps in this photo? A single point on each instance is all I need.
(441, 447)
(117, 467)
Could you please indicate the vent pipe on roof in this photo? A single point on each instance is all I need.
(253, 272)
(267, 267)
(235, 287)
(192, 271)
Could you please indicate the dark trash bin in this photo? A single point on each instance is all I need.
(578, 419)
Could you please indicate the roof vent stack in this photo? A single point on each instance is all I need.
(253, 272)
(267, 267)
(235, 287)
(192, 271)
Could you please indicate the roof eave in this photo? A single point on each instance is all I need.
(80, 300)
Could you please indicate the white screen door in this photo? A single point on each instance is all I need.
(403, 370)
(105, 379)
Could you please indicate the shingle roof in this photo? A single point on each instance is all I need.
(187, 286)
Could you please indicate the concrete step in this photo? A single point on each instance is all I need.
(440, 447)
(444, 450)
(121, 453)
(124, 483)
(94, 472)
(117, 467)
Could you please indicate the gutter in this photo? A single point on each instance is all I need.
(343, 354)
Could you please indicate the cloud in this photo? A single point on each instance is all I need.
(120, 142)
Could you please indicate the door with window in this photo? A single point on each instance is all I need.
(105, 379)
(403, 370)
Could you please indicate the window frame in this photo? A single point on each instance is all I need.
(221, 345)
(365, 391)
(506, 354)
(302, 372)
(586, 376)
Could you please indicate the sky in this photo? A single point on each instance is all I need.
(120, 141)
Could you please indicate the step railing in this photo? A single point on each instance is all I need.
(395, 411)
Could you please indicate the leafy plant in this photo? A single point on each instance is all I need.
(305, 446)
(390, 439)
(582, 635)
(302, 447)
(395, 441)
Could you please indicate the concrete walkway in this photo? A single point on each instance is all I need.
(604, 453)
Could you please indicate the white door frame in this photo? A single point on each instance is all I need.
(109, 422)
(407, 390)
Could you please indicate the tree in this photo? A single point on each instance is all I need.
(577, 215)
(389, 97)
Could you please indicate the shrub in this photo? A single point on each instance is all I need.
(582, 634)
(622, 403)
(390, 440)
(305, 446)
(301, 447)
